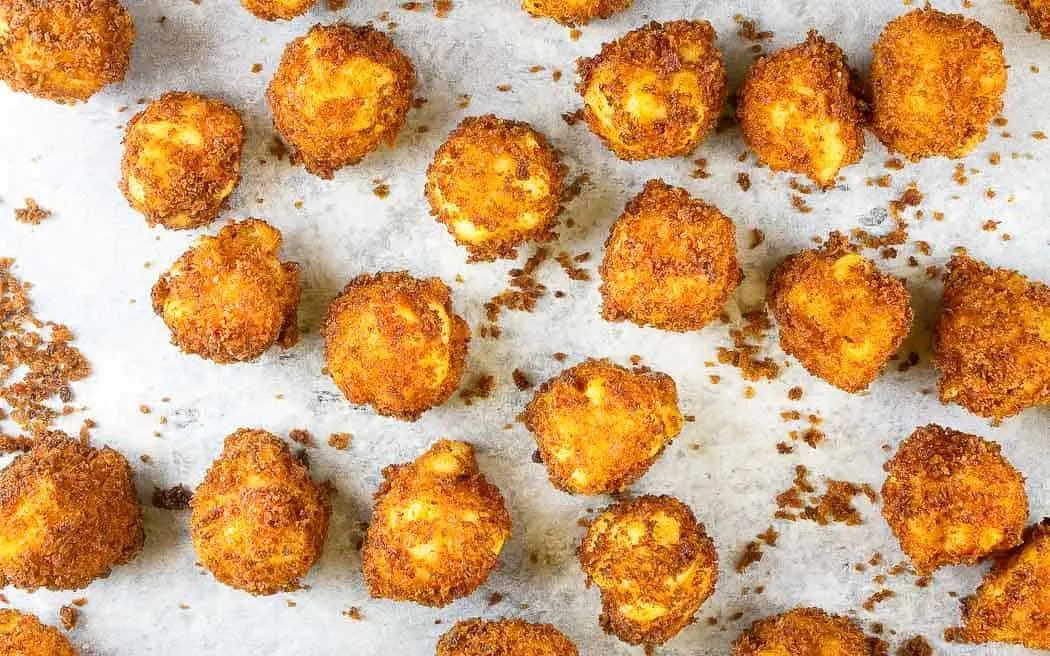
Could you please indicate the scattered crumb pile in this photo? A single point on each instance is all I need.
(32, 213)
(917, 646)
(480, 388)
(340, 441)
(746, 346)
(911, 197)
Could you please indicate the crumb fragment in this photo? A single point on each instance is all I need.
(340, 441)
(173, 498)
(301, 436)
(480, 388)
(521, 380)
(353, 613)
(69, 615)
(32, 213)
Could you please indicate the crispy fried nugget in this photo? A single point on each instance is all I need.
(437, 528)
(992, 340)
(656, 91)
(806, 632)
(574, 12)
(504, 637)
(937, 80)
(338, 93)
(1038, 13)
(229, 298)
(272, 10)
(670, 261)
(23, 635)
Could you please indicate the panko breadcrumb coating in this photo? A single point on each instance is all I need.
(182, 159)
(495, 184)
(272, 10)
(1038, 13)
(22, 634)
(806, 632)
(952, 499)
(656, 91)
(504, 637)
(937, 80)
(670, 261)
(338, 93)
(64, 50)
(229, 298)
(992, 340)
(838, 314)
(259, 521)
(574, 12)
(655, 567)
(437, 528)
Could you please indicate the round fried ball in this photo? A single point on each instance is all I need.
(798, 111)
(437, 528)
(64, 50)
(655, 567)
(806, 632)
(182, 158)
(504, 637)
(259, 521)
(495, 184)
(338, 93)
(574, 12)
(68, 516)
(272, 10)
(23, 635)
(656, 91)
(937, 80)
(670, 261)
(1038, 13)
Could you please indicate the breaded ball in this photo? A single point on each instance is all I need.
(272, 10)
(393, 342)
(1038, 13)
(574, 12)
(838, 314)
(182, 158)
(64, 50)
(670, 261)
(437, 528)
(937, 80)
(504, 637)
(798, 111)
(952, 499)
(338, 93)
(68, 516)
(655, 567)
(656, 91)
(23, 635)
(806, 632)
(259, 521)
(992, 340)
(495, 184)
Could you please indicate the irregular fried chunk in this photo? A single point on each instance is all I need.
(1038, 12)
(806, 632)
(574, 12)
(23, 635)
(504, 637)
(277, 9)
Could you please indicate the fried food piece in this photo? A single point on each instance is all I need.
(656, 91)
(229, 298)
(937, 80)
(64, 50)
(574, 12)
(272, 10)
(22, 634)
(670, 261)
(806, 632)
(992, 340)
(495, 184)
(504, 637)
(1038, 13)
(338, 93)
(437, 528)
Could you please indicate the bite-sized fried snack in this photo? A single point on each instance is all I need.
(229, 298)
(182, 158)
(495, 184)
(272, 10)
(24, 635)
(574, 12)
(798, 111)
(64, 50)
(839, 315)
(437, 528)
(806, 632)
(992, 340)
(1038, 12)
(656, 91)
(259, 521)
(68, 515)
(338, 93)
(504, 637)
(937, 80)
(670, 261)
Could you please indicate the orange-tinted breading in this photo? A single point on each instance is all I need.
(992, 341)
(23, 635)
(495, 184)
(670, 261)
(437, 528)
(806, 632)
(574, 12)
(182, 159)
(393, 342)
(838, 314)
(656, 91)
(937, 80)
(655, 567)
(338, 93)
(798, 111)
(259, 521)
(64, 50)
(504, 637)
(277, 9)
(229, 298)
(68, 515)
(952, 499)
(1038, 13)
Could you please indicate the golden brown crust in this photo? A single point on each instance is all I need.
(1038, 13)
(22, 634)
(806, 632)
(574, 12)
(504, 637)
(272, 10)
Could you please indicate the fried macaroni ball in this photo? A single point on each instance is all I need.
(656, 91)
(839, 315)
(1038, 13)
(24, 635)
(937, 80)
(272, 10)
(798, 111)
(504, 637)
(338, 93)
(670, 261)
(655, 567)
(806, 632)
(182, 159)
(64, 50)
(495, 184)
(574, 12)
(437, 528)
